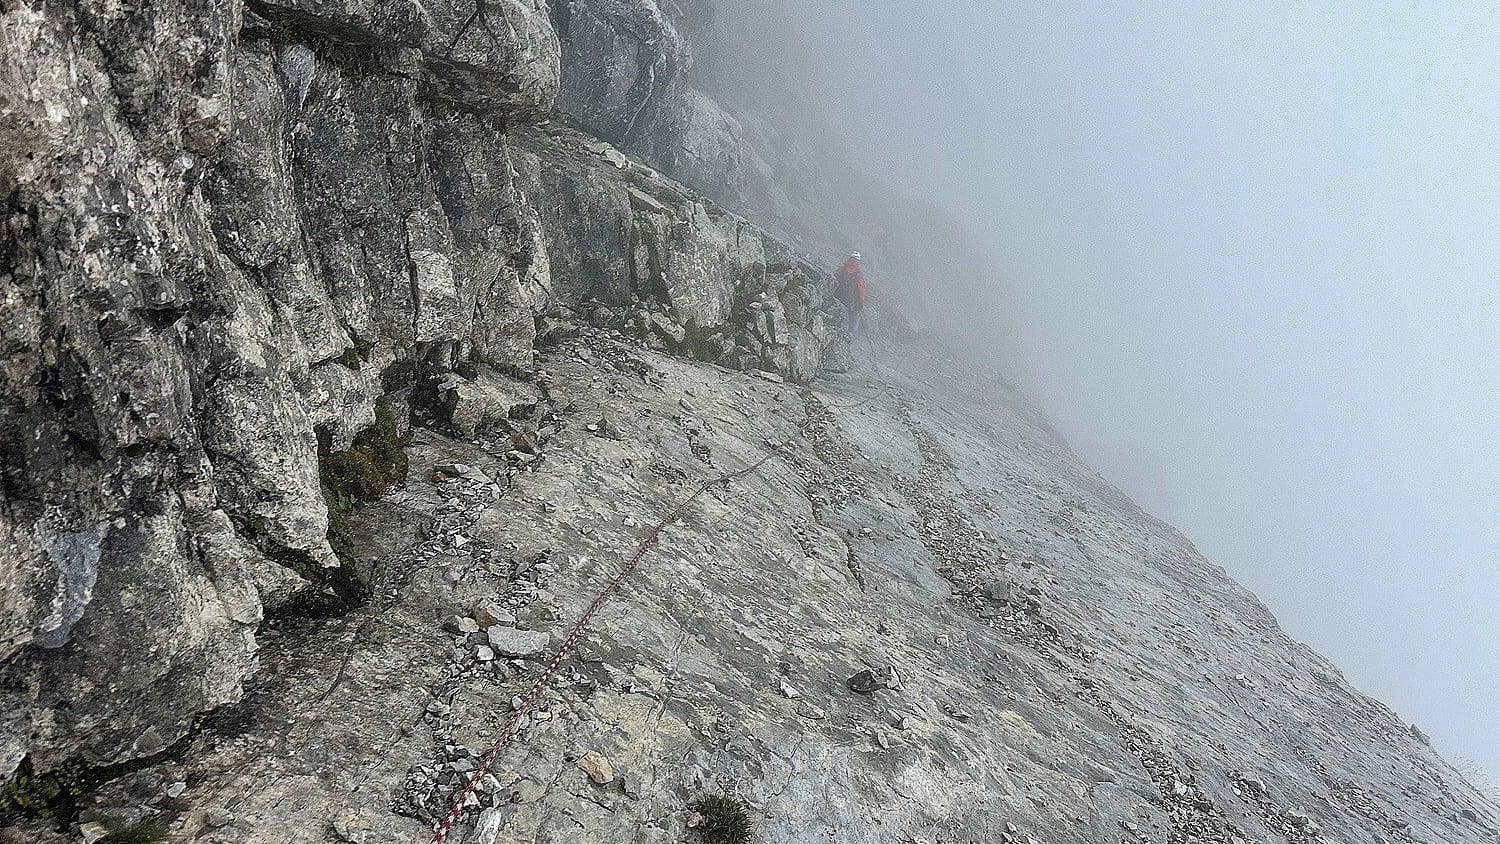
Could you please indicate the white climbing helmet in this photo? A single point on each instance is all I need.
(856, 256)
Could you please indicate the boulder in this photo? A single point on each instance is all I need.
(469, 406)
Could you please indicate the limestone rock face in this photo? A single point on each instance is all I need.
(646, 101)
(117, 549)
(671, 266)
(231, 233)
(228, 234)
(622, 61)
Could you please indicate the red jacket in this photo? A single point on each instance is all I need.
(851, 283)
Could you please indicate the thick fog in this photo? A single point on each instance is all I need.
(1253, 254)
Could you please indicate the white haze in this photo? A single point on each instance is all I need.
(1252, 251)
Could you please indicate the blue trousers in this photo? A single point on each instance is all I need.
(854, 313)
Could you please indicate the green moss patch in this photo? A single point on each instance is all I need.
(51, 796)
(375, 460)
(360, 474)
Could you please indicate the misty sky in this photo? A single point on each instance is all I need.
(1255, 252)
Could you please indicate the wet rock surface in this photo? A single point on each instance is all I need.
(1096, 697)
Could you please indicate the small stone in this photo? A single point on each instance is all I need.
(788, 690)
(597, 767)
(92, 831)
(607, 429)
(487, 828)
(463, 470)
(811, 711)
(490, 613)
(514, 642)
(870, 681)
(176, 789)
(1304, 823)
(998, 590)
(461, 625)
(217, 817)
(484, 653)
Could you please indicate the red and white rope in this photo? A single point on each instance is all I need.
(440, 834)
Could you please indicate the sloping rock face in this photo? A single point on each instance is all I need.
(653, 257)
(231, 234)
(647, 102)
(922, 620)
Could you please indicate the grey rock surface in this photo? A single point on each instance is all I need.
(1094, 702)
(232, 234)
(238, 236)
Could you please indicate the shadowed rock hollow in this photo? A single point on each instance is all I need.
(349, 348)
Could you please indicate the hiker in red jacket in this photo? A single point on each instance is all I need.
(849, 288)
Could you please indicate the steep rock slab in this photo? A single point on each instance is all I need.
(923, 620)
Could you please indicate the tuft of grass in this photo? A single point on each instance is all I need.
(725, 820)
